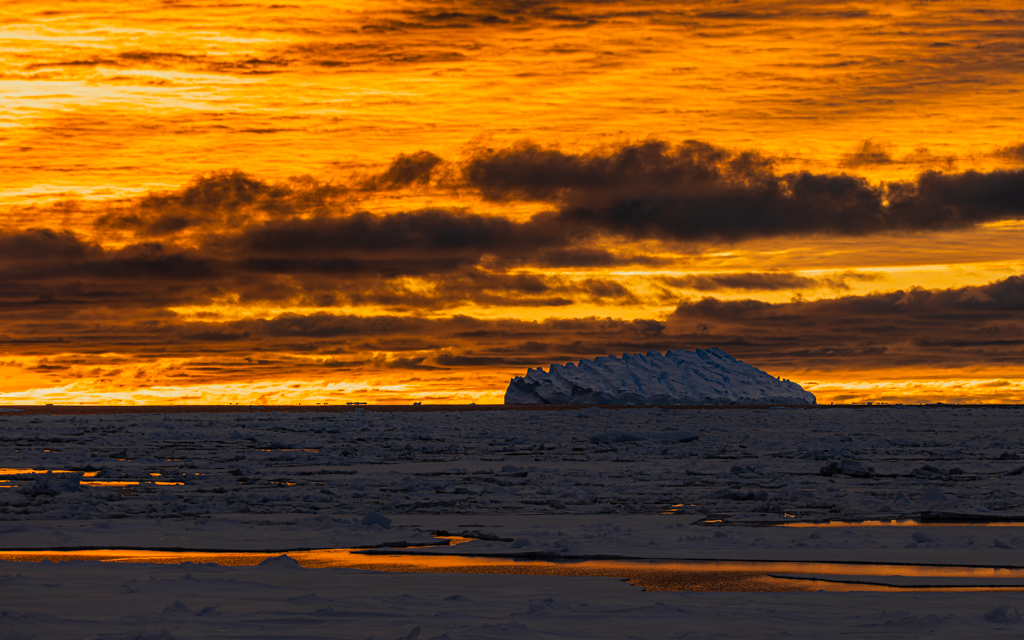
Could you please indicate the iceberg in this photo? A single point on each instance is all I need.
(704, 376)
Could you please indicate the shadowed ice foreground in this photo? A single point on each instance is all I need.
(709, 376)
(669, 499)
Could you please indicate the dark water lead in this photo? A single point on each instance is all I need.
(653, 575)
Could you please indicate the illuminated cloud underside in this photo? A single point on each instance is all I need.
(324, 202)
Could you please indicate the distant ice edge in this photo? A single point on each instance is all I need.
(706, 376)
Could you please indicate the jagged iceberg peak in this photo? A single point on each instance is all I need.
(706, 376)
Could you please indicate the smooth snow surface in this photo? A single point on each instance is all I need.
(81, 600)
(709, 376)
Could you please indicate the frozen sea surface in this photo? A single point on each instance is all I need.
(574, 483)
(811, 464)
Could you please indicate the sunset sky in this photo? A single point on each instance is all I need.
(398, 201)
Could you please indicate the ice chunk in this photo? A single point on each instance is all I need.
(283, 561)
(177, 607)
(372, 518)
(933, 494)
(846, 467)
(678, 377)
(49, 485)
(1004, 615)
(922, 537)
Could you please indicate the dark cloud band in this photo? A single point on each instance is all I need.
(696, 191)
(974, 326)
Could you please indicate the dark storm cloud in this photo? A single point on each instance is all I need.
(530, 172)
(42, 269)
(430, 234)
(406, 170)
(967, 326)
(33, 246)
(697, 191)
(45, 254)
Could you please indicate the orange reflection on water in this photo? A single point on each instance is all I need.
(651, 575)
(15, 472)
(109, 483)
(454, 540)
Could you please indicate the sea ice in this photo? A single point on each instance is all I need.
(568, 483)
(67, 601)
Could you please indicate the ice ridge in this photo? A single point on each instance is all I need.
(706, 376)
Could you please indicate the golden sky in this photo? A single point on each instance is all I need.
(403, 201)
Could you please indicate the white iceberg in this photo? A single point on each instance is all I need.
(708, 376)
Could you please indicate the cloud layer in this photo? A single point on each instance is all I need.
(229, 234)
(178, 274)
(451, 191)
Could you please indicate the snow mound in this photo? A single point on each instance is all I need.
(679, 377)
(283, 561)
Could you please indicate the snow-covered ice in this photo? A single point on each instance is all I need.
(571, 483)
(332, 468)
(280, 600)
(679, 377)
